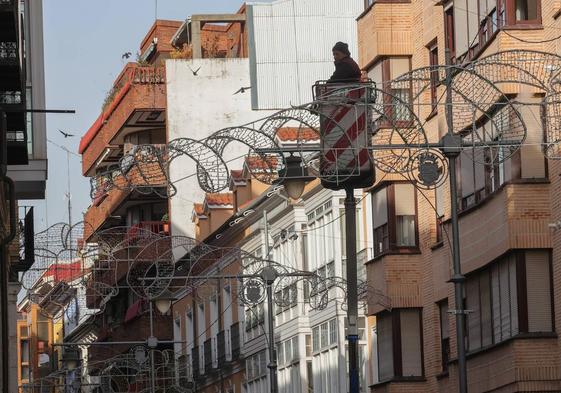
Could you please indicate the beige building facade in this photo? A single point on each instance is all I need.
(508, 247)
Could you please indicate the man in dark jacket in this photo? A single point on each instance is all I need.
(346, 69)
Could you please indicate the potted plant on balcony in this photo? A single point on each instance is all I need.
(165, 222)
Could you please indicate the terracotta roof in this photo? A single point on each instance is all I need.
(198, 208)
(297, 134)
(256, 163)
(220, 199)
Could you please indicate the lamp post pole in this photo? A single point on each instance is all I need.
(352, 291)
(451, 148)
(269, 275)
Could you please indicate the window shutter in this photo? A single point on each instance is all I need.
(444, 329)
(411, 343)
(496, 303)
(539, 291)
(485, 305)
(399, 66)
(380, 208)
(513, 295)
(479, 158)
(375, 74)
(385, 346)
(473, 23)
(466, 173)
(374, 354)
(461, 25)
(504, 280)
(404, 199)
(474, 319)
(439, 201)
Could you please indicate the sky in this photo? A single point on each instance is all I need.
(84, 41)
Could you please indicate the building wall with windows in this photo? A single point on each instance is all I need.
(508, 253)
(310, 343)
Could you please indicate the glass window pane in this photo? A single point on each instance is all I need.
(411, 343)
(538, 277)
(333, 331)
(324, 335)
(315, 334)
(405, 231)
(385, 346)
(526, 10)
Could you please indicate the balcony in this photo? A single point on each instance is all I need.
(385, 29)
(109, 271)
(515, 217)
(136, 328)
(112, 197)
(520, 364)
(136, 101)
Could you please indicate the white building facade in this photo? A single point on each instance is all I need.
(310, 343)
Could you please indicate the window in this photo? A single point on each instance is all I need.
(320, 237)
(399, 344)
(449, 31)
(527, 11)
(308, 345)
(395, 219)
(444, 334)
(398, 95)
(324, 335)
(499, 297)
(477, 180)
(333, 331)
(434, 76)
(439, 207)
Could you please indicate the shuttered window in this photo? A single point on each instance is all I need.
(394, 218)
(444, 334)
(474, 316)
(511, 296)
(411, 343)
(485, 307)
(538, 285)
(385, 346)
(399, 344)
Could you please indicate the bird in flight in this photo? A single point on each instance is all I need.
(66, 134)
(242, 90)
(126, 55)
(194, 72)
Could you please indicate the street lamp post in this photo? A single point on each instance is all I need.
(293, 177)
(352, 291)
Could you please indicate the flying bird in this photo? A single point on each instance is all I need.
(66, 134)
(194, 72)
(242, 90)
(126, 55)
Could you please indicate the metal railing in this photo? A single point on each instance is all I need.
(136, 231)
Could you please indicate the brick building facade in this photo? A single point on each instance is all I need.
(508, 252)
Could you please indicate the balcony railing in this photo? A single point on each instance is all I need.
(8, 53)
(138, 232)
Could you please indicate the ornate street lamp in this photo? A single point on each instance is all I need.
(294, 177)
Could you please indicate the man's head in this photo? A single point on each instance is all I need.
(340, 51)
